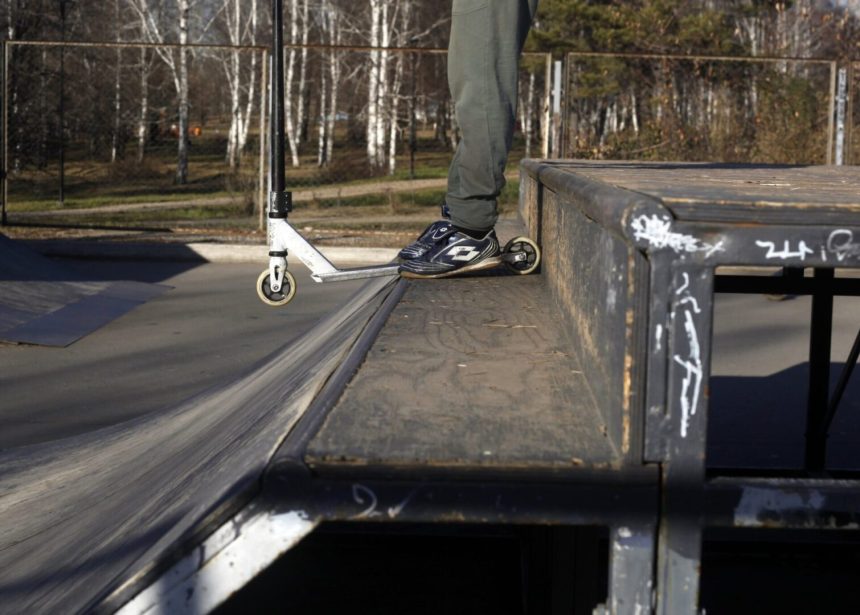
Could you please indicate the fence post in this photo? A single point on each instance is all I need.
(841, 95)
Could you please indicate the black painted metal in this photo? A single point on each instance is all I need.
(529, 500)
(821, 329)
(783, 503)
(841, 385)
(685, 242)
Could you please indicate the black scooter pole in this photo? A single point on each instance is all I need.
(280, 201)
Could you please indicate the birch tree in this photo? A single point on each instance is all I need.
(241, 29)
(373, 85)
(150, 14)
(330, 83)
(117, 94)
(390, 19)
(294, 116)
(393, 124)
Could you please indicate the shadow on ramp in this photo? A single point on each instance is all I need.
(42, 302)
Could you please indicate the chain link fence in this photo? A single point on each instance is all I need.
(698, 108)
(91, 131)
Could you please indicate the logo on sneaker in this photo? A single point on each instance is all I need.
(440, 233)
(462, 253)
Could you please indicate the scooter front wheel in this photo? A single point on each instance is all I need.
(270, 297)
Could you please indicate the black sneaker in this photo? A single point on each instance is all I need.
(429, 237)
(458, 253)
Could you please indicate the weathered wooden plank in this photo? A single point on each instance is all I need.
(470, 372)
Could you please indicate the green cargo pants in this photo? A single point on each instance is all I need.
(487, 38)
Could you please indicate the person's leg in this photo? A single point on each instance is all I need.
(487, 37)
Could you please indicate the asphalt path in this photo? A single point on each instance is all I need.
(208, 330)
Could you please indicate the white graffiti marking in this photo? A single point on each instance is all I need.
(786, 253)
(693, 303)
(842, 245)
(364, 496)
(691, 385)
(686, 284)
(657, 231)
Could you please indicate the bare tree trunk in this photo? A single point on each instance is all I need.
(405, 16)
(289, 125)
(182, 150)
(239, 117)
(143, 120)
(232, 68)
(117, 98)
(394, 110)
(373, 84)
(334, 70)
(528, 115)
(321, 141)
(301, 107)
(42, 151)
(384, 95)
(117, 108)
(252, 84)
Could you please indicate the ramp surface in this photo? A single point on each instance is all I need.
(468, 373)
(43, 302)
(79, 514)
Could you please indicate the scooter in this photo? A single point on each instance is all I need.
(276, 286)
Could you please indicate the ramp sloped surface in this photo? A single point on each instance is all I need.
(79, 514)
(43, 302)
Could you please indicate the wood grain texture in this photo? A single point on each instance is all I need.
(736, 193)
(468, 372)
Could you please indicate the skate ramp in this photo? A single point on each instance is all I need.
(43, 302)
(79, 514)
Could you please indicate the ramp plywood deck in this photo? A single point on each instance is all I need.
(775, 194)
(474, 372)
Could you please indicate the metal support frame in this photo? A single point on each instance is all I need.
(820, 334)
(841, 385)
(689, 326)
(680, 331)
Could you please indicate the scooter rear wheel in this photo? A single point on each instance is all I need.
(531, 255)
(272, 298)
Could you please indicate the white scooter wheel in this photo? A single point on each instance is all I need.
(523, 245)
(270, 297)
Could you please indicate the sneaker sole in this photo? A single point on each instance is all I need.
(488, 263)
